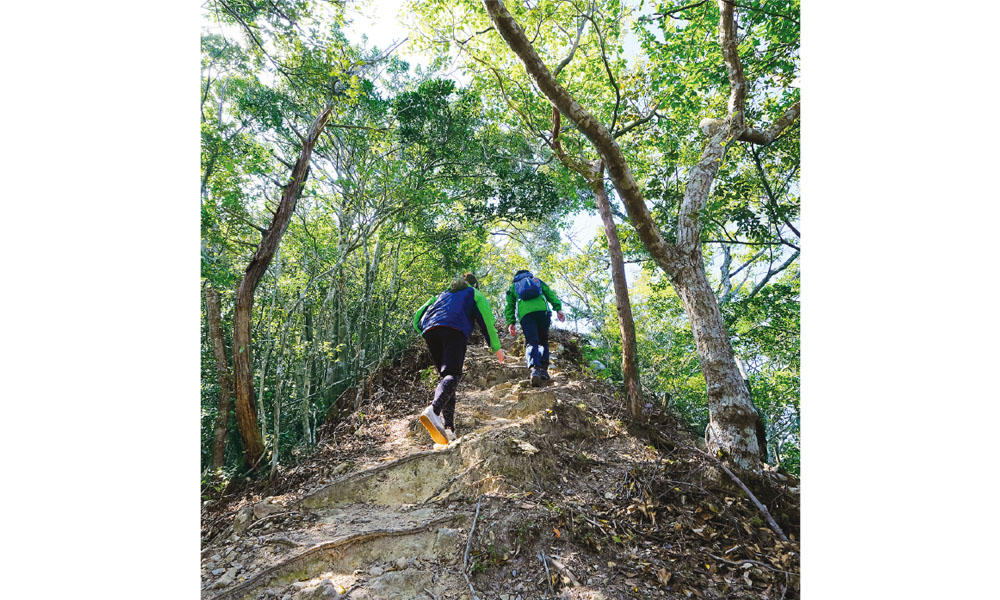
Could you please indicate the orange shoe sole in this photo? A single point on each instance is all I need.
(436, 435)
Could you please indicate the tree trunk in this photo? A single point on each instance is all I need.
(593, 173)
(261, 324)
(361, 358)
(307, 375)
(246, 412)
(732, 418)
(223, 376)
(279, 384)
(630, 371)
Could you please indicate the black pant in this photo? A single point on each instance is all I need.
(535, 326)
(447, 348)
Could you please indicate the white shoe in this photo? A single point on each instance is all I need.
(536, 377)
(434, 425)
(448, 433)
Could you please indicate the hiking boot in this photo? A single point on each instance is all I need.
(545, 374)
(434, 425)
(536, 377)
(450, 434)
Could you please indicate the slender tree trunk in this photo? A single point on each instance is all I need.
(345, 334)
(307, 375)
(392, 299)
(328, 308)
(371, 271)
(593, 173)
(279, 385)
(223, 376)
(630, 371)
(246, 412)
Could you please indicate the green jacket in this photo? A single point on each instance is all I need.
(518, 308)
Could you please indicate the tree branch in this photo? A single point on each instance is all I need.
(734, 68)
(343, 126)
(580, 167)
(281, 160)
(762, 11)
(640, 121)
(741, 242)
(769, 192)
(756, 502)
(476, 34)
(607, 69)
(747, 263)
(698, 186)
(468, 545)
(767, 136)
(771, 273)
(670, 13)
(253, 36)
(725, 286)
(251, 224)
(576, 44)
(719, 133)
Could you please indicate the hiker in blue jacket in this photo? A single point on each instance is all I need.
(528, 299)
(446, 322)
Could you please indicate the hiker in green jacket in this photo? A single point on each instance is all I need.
(528, 299)
(446, 322)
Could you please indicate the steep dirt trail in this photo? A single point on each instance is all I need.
(526, 481)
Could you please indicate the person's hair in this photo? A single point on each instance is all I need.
(519, 271)
(471, 280)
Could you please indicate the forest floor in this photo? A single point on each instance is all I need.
(546, 494)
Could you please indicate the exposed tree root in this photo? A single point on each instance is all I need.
(338, 546)
(449, 483)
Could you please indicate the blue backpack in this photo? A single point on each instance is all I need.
(527, 286)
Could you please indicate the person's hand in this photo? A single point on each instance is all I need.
(561, 315)
(512, 329)
(500, 355)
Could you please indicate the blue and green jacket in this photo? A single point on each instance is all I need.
(517, 308)
(460, 307)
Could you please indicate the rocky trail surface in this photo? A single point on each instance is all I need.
(545, 494)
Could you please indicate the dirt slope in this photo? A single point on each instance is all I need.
(546, 494)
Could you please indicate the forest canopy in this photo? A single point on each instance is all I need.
(393, 179)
